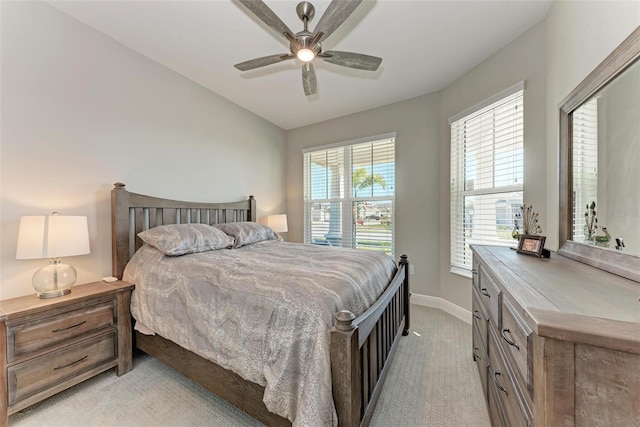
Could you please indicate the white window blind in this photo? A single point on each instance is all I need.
(349, 195)
(487, 178)
(585, 164)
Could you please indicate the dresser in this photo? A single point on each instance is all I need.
(556, 342)
(48, 345)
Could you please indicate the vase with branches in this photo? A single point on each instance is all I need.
(590, 222)
(526, 221)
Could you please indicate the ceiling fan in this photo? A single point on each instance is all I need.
(306, 45)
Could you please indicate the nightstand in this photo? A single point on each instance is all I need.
(49, 345)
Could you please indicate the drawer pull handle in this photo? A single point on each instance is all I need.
(484, 292)
(476, 315)
(71, 364)
(509, 341)
(475, 354)
(474, 271)
(495, 380)
(70, 327)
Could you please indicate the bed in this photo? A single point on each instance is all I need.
(360, 347)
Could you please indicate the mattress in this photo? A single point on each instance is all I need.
(264, 311)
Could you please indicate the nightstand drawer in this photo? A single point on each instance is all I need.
(41, 373)
(29, 337)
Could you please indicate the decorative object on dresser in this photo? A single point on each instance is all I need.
(528, 220)
(533, 245)
(360, 348)
(53, 236)
(555, 343)
(47, 346)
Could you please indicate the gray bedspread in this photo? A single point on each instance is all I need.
(264, 311)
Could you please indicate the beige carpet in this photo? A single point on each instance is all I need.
(432, 382)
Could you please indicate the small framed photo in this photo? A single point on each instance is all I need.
(531, 245)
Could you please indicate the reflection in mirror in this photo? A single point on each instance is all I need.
(606, 165)
(600, 165)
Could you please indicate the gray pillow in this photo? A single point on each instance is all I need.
(181, 239)
(247, 233)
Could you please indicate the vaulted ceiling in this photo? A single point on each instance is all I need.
(425, 45)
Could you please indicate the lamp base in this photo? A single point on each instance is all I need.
(54, 280)
(54, 294)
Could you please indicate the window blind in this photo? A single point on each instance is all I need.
(349, 195)
(585, 164)
(487, 176)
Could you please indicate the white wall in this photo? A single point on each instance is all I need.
(417, 176)
(81, 112)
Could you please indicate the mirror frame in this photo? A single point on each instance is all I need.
(622, 264)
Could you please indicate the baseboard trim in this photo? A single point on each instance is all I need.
(442, 304)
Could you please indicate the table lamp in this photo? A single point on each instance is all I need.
(278, 223)
(52, 237)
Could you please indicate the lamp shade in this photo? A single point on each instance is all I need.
(52, 236)
(278, 223)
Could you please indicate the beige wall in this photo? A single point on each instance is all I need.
(80, 112)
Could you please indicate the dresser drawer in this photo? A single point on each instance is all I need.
(495, 408)
(516, 341)
(480, 316)
(41, 373)
(475, 278)
(482, 360)
(34, 335)
(515, 411)
(490, 295)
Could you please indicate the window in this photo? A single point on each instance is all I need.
(349, 195)
(487, 162)
(585, 166)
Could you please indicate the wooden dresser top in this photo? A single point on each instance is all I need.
(558, 295)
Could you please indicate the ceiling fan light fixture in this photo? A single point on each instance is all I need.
(305, 55)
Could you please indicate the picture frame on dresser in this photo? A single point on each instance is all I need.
(531, 245)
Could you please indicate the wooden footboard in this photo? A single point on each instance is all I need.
(362, 346)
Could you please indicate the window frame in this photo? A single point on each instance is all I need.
(457, 184)
(348, 200)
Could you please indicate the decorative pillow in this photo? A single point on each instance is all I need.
(246, 233)
(181, 239)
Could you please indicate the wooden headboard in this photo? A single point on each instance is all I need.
(132, 213)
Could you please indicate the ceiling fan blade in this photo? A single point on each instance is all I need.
(337, 12)
(261, 62)
(352, 60)
(268, 16)
(309, 79)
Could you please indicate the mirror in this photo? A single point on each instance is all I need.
(600, 165)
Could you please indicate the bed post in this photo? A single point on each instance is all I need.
(252, 210)
(345, 369)
(119, 229)
(404, 261)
